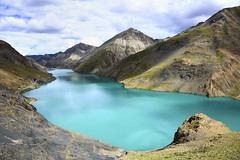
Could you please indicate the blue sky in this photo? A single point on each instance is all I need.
(49, 26)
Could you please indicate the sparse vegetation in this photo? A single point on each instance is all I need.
(30, 100)
(219, 57)
(194, 33)
(193, 124)
(224, 29)
(226, 147)
(236, 91)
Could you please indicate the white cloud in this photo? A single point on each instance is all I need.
(49, 26)
(92, 40)
(37, 43)
(11, 23)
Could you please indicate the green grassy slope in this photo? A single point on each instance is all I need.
(225, 147)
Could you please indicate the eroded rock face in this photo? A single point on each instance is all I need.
(26, 134)
(199, 127)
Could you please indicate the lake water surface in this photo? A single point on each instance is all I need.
(131, 119)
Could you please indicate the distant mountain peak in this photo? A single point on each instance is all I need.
(67, 59)
(78, 47)
(114, 50)
(130, 34)
(132, 30)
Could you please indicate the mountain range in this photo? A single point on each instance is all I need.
(202, 60)
(67, 59)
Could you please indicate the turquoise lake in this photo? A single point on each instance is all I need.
(132, 119)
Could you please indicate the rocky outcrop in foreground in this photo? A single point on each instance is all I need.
(26, 134)
(199, 127)
(199, 137)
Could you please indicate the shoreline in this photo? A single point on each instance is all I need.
(20, 91)
(187, 149)
(124, 86)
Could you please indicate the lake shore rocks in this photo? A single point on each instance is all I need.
(26, 134)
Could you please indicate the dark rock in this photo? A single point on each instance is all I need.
(26, 134)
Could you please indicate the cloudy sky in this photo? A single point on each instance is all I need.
(49, 26)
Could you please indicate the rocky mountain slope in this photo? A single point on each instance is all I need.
(68, 59)
(16, 71)
(203, 60)
(8, 53)
(114, 50)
